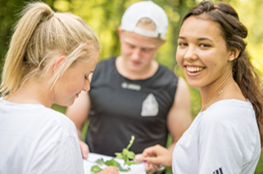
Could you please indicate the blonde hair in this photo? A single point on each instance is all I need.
(147, 22)
(41, 36)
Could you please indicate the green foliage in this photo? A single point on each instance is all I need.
(9, 15)
(259, 169)
(112, 162)
(95, 169)
(126, 155)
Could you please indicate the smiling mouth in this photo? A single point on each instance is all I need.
(194, 69)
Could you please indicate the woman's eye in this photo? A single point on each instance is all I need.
(182, 44)
(204, 45)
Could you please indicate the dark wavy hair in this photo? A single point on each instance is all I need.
(234, 33)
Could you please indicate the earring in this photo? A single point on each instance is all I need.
(232, 58)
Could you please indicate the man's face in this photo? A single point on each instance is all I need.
(138, 51)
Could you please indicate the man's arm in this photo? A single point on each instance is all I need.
(179, 116)
(179, 119)
(78, 113)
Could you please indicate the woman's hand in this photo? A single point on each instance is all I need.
(157, 155)
(109, 170)
(84, 149)
(149, 168)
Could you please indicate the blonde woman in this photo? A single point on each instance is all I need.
(49, 60)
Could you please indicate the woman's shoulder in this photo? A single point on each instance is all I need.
(229, 108)
(229, 112)
(59, 120)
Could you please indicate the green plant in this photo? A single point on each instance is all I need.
(126, 155)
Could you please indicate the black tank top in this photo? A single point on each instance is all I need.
(121, 107)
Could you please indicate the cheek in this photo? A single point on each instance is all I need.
(74, 85)
(148, 56)
(126, 49)
(179, 58)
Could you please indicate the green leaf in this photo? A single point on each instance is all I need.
(131, 141)
(95, 169)
(128, 162)
(111, 162)
(100, 161)
(127, 155)
(130, 154)
(124, 151)
(119, 155)
(122, 169)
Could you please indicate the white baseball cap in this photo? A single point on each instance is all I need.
(145, 9)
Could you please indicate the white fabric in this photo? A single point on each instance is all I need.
(224, 139)
(37, 140)
(149, 10)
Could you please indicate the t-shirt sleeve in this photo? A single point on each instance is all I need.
(58, 152)
(219, 145)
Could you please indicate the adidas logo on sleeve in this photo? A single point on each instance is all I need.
(218, 171)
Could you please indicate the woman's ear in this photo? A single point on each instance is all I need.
(57, 62)
(234, 53)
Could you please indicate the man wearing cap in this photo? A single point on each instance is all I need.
(132, 94)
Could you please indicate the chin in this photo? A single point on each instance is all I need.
(66, 104)
(193, 84)
(136, 69)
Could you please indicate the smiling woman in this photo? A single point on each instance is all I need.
(203, 56)
(226, 135)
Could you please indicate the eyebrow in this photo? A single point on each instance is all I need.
(200, 39)
(149, 46)
(204, 38)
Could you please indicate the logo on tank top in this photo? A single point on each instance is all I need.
(150, 106)
(131, 86)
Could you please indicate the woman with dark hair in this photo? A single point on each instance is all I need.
(226, 135)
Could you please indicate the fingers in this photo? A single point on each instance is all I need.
(150, 168)
(157, 155)
(138, 158)
(153, 160)
(84, 149)
(152, 151)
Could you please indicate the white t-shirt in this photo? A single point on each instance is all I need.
(224, 139)
(37, 140)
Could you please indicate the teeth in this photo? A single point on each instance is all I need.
(193, 69)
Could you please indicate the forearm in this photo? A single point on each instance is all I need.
(171, 147)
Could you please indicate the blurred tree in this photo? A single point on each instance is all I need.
(9, 14)
(8, 9)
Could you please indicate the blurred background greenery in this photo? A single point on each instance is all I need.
(104, 17)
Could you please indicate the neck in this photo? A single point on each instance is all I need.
(145, 73)
(32, 92)
(216, 91)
